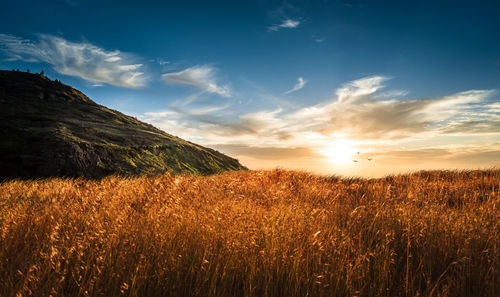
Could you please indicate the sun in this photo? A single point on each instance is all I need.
(340, 151)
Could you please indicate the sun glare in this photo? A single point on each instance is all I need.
(340, 152)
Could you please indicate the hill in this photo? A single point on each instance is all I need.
(252, 233)
(51, 129)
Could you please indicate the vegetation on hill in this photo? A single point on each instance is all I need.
(51, 129)
(252, 233)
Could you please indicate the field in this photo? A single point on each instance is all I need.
(252, 233)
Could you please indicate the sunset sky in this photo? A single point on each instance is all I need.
(357, 88)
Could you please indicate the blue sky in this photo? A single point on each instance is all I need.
(299, 84)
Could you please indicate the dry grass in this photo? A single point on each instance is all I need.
(256, 233)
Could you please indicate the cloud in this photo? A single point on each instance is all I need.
(286, 24)
(202, 77)
(300, 84)
(318, 39)
(83, 59)
(359, 89)
(357, 111)
(161, 61)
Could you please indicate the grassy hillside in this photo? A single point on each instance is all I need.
(252, 233)
(51, 129)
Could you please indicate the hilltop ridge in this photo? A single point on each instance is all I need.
(51, 129)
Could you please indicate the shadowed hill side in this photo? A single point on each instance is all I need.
(51, 129)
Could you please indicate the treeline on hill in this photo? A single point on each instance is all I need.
(255, 233)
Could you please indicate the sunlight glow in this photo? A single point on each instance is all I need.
(340, 152)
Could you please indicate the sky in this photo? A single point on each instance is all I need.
(353, 88)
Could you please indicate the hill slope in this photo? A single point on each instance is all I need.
(51, 129)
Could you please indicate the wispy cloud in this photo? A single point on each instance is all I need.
(161, 61)
(359, 113)
(202, 77)
(359, 90)
(356, 112)
(318, 39)
(286, 24)
(299, 85)
(80, 59)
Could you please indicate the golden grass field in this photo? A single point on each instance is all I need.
(253, 233)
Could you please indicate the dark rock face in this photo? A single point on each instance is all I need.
(51, 129)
